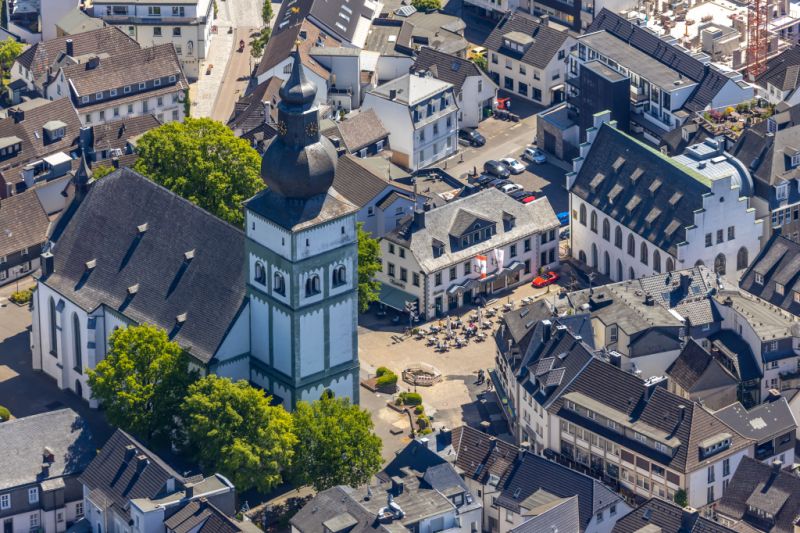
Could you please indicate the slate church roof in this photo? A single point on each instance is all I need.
(157, 258)
(640, 188)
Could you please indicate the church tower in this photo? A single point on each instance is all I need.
(302, 259)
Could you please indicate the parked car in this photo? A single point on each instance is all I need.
(499, 182)
(535, 155)
(508, 188)
(520, 194)
(544, 280)
(497, 168)
(484, 180)
(513, 165)
(472, 137)
(563, 218)
(528, 199)
(564, 235)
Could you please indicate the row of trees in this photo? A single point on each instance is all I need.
(148, 388)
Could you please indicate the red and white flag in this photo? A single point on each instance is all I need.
(499, 256)
(480, 265)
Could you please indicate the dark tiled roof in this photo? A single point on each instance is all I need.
(35, 144)
(446, 67)
(200, 516)
(761, 421)
(117, 133)
(777, 263)
(756, 484)
(124, 470)
(767, 155)
(210, 287)
(330, 15)
(298, 215)
(736, 348)
(361, 130)
(22, 441)
(693, 363)
(125, 68)
(480, 456)
(358, 182)
(667, 516)
(335, 502)
(782, 70)
(546, 42)
(23, 224)
(249, 111)
(285, 37)
(710, 80)
(531, 473)
(602, 382)
(626, 196)
(110, 40)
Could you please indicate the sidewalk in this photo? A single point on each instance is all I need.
(203, 93)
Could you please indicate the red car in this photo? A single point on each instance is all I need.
(545, 280)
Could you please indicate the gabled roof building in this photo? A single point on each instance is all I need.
(41, 458)
(23, 232)
(637, 212)
(657, 514)
(700, 377)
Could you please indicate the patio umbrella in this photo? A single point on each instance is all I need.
(449, 327)
(480, 318)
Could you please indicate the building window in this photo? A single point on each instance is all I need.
(599, 516)
(759, 278)
(403, 274)
(142, 85)
(613, 334)
(33, 495)
(53, 329)
(79, 509)
(415, 279)
(742, 259)
(88, 118)
(391, 248)
(643, 253)
(154, 11)
(613, 510)
(340, 276)
(656, 261)
(710, 494)
(719, 264)
(176, 32)
(606, 230)
(618, 238)
(156, 31)
(711, 477)
(76, 336)
(631, 246)
(391, 270)
(731, 233)
(720, 236)
(313, 286)
(453, 274)
(593, 222)
(726, 467)
(278, 283)
(260, 274)
(779, 288)
(709, 240)
(513, 251)
(582, 215)
(5, 501)
(437, 278)
(34, 520)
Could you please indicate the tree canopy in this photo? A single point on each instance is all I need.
(336, 445)
(266, 12)
(230, 427)
(427, 5)
(369, 262)
(9, 50)
(259, 42)
(142, 381)
(203, 161)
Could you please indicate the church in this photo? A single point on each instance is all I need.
(275, 304)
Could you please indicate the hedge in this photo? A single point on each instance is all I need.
(387, 380)
(411, 398)
(5, 414)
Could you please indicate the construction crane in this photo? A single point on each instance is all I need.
(757, 37)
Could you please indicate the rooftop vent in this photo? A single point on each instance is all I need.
(188, 256)
(133, 289)
(181, 318)
(48, 456)
(142, 228)
(90, 264)
(130, 452)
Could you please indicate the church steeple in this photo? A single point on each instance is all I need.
(82, 178)
(298, 163)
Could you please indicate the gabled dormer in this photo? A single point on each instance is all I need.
(518, 42)
(468, 229)
(10, 147)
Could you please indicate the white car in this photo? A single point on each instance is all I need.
(508, 188)
(513, 165)
(535, 155)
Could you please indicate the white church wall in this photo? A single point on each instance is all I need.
(324, 238)
(283, 392)
(312, 347)
(259, 329)
(342, 387)
(269, 235)
(237, 340)
(282, 344)
(342, 322)
(306, 300)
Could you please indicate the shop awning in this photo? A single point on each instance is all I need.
(394, 297)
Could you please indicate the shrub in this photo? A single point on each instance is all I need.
(382, 370)
(427, 5)
(423, 422)
(387, 380)
(418, 410)
(5, 414)
(411, 398)
(398, 401)
(681, 498)
(22, 297)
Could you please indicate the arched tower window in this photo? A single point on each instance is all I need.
(313, 286)
(719, 264)
(657, 261)
(76, 337)
(643, 253)
(618, 237)
(593, 221)
(260, 274)
(742, 259)
(631, 246)
(670, 264)
(53, 329)
(606, 229)
(339, 276)
(279, 284)
(582, 214)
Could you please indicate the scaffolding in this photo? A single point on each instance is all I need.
(757, 37)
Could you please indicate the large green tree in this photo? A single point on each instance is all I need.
(369, 262)
(336, 445)
(259, 42)
(142, 381)
(231, 427)
(9, 50)
(203, 161)
(266, 12)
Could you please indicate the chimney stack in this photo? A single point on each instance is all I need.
(17, 114)
(130, 452)
(47, 262)
(776, 466)
(141, 462)
(115, 162)
(397, 485)
(70, 48)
